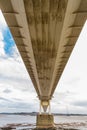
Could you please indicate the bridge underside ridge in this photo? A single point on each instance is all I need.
(45, 32)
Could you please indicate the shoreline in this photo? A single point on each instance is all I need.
(61, 126)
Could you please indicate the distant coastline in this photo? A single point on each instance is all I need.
(35, 113)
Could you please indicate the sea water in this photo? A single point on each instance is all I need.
(26, 122)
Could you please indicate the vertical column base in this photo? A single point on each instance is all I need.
(45, 121)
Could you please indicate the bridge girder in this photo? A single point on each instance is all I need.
(45, 32)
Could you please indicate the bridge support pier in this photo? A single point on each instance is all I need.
(44, 121)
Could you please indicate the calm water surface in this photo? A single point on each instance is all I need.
(26, 122)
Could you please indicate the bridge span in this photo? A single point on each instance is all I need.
(45, 32)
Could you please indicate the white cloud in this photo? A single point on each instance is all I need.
(72, 87)
(2, 22)
(1, 36)
(16, 84)
(16, 89)
(2, 52)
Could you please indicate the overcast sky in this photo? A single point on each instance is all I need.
(17, 93)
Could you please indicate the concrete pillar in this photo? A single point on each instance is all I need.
(40, 108)
(49, 108)
(45, 121)
(45, 104)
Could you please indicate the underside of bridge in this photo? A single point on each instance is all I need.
(45, 32)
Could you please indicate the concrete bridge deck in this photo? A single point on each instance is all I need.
(45, 32)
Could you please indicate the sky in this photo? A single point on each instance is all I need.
(17, 93)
